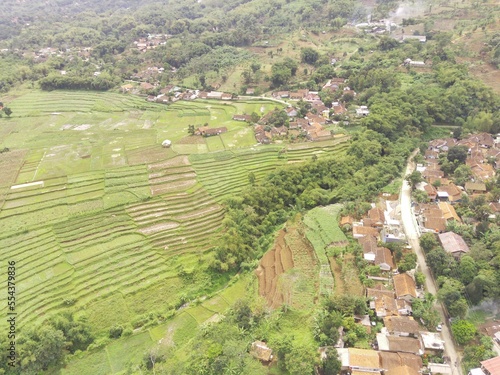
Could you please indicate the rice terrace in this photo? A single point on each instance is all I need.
(100, 218)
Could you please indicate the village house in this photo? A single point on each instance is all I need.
(261, 351)
(246, 118)
(495, 209)
(449, 193)
(377, 217)
(281, 94)
(382, 301)
(214, 95)
(291, 112)
(383, 259)
(333, 84)
(431, 192)
(401, 326)
(338, 108)
(420, 38)
(491, 366)
(299, 94)
(453, 244)
(431, 218)
(432, 341)
(442, 144)
(396, 363)
(405, 287)
(360, 361)
(362, 111)
(359, 231)
(475, 187)
(448, 211)
(312, 118)
(412, 63)
(261, 135)
(481, 171)
(206, 131)
(146, 86)
(399, 344)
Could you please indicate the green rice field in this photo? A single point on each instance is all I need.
(100, 218)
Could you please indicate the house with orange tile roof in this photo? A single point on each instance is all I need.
(405, 287)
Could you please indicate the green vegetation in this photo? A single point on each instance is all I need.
(142, 254)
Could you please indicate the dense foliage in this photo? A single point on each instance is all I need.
(371, 162)
(45, 346)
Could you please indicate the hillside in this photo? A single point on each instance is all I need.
(275, 117)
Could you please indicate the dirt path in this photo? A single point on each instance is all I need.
(412, 234)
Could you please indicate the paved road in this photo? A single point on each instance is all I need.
(412, 234)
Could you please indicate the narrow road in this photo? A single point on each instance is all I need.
(412, 235)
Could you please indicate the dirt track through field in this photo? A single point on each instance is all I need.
(274, 263)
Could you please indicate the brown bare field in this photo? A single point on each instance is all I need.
(272, 265)
(174, 162)
(288, 272)
(172, 187)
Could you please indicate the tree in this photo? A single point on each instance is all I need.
(420, 196)
(255, 67)
(467, 269)
(41, 348)
(428, 242)
(115, 331)
(309, 55)
(457, 154)
(191, 129)
(331, 364)
(387, 43)
(301, 360)
(414, 178)
(408, 262)
(7, 111)
(419, 278)
(463, 331)
(474, 354)
(251, 178)
(254, 117)
(247, 76)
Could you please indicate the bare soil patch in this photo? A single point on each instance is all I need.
(270, 268)
(199, 213)
(170, 187)
(158, 228)
(288, 272)
(174, 162)
(172, 177)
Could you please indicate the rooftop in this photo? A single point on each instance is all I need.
(453, 243)
(492, 365)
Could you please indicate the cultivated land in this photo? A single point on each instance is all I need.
(101, 219)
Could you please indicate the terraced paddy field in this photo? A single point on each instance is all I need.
(102, 220)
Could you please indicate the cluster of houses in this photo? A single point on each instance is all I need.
(378, 226)
(150, 42)
(483, 158)
(310, 127)
(399, 346)
(44, 53)
(148, 74)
